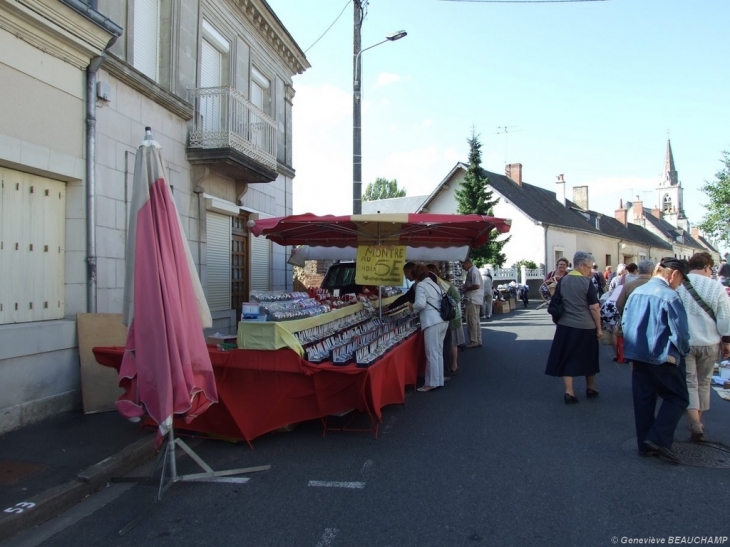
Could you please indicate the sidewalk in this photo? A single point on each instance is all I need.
(48, 467)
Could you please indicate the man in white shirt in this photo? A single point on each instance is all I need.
(488, 293)
(474, 295)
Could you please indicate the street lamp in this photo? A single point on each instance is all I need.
(356, 116)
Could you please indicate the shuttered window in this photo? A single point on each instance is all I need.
(211, 75)
(32, 247)
(219, 262)
(147, 37)
(260, 264)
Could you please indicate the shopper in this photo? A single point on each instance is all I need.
(551, 280)
(656, 341)
(708, 313)
(488, 294)
(455, 333)
(410, 294)
(428, 305)
(474, 295)
(574, 351)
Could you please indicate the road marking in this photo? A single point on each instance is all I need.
(367, 466)
(336, 484)
(327, 537)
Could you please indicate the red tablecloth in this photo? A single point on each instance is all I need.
(260, 391)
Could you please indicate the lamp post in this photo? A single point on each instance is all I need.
(356, 104)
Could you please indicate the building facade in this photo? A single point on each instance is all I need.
(213, 79)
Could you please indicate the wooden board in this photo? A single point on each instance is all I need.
(99, 384)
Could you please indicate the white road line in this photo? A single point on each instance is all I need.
(336, 484)
(367, 466)
(327, 537)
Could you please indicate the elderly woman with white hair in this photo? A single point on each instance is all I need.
(574, 351)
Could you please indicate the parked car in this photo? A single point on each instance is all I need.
(341, 277)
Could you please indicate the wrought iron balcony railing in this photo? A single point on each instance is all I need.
(224, 118)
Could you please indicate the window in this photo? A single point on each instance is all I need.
(219, 262)
(667, 204)
(213, 53)
(261, 98)
(147, 37)
(608, 260)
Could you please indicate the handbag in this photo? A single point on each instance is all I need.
(555, 307)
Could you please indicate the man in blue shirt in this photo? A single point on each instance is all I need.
(656, 339)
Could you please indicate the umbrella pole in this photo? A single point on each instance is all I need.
(169, 467)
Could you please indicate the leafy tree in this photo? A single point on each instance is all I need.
(383, 189)
(716, 222)
(529, 264)
(474, 197)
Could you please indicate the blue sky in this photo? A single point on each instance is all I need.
(589, 90)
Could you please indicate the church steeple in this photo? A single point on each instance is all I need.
(670, 177)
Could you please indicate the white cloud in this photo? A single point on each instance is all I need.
(323, 106)
(387, 78)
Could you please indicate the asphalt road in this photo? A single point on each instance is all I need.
(495, 458)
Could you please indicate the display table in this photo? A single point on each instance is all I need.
(261, 391)
(272, 335)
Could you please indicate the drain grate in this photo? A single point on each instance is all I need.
(708, 454)
(14, 471)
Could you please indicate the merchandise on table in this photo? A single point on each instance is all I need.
(277, 296)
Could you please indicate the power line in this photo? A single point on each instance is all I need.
(329, 27)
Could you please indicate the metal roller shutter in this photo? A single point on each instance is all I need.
(219, 262)
(260, 264)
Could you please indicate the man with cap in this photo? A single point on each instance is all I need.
(656, 339)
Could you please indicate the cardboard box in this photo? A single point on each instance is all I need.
(501, 307)
(513, 303)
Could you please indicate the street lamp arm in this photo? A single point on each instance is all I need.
(392, 38)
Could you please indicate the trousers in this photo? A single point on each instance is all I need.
(433, 339)
(472, 323)
(648, 382)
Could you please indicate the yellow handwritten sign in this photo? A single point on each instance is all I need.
(380, 264)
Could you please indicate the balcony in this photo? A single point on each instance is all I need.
(231, 136)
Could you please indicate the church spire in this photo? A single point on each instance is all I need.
(670, 177)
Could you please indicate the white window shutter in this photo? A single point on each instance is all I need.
(147, 37)
(219, 262)
(32, 257)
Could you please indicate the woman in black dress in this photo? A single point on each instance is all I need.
(574, 351)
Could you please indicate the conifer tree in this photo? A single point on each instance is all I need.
(474, 197)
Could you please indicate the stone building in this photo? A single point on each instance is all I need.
(81, 80)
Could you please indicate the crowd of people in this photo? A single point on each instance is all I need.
(670, 321)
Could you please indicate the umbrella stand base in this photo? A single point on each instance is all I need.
(169, 468)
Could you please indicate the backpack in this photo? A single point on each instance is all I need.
(447, 310)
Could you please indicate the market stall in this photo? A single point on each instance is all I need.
(300, 358)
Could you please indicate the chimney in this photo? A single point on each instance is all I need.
(620, 213)
(560, 192)
(638, 208)
(580, 197)
(514, 173)
(656, 213)
(695, 233)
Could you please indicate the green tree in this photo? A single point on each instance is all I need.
(716, 222)
(474, 197)
(529, 264)
(383, 189)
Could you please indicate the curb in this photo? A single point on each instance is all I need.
(56, 500)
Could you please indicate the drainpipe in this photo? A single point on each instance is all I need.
(91, 79)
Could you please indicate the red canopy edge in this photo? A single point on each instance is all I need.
(415, 230)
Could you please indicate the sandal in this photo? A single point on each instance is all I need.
(425, 389)
(455, 371)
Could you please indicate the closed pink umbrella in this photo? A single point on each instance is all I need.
(166, 369)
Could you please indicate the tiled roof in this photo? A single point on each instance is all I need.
(671, 232)
(542, 206)
(393, 205)
(708, 244)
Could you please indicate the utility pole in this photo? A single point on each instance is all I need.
(356, 113)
